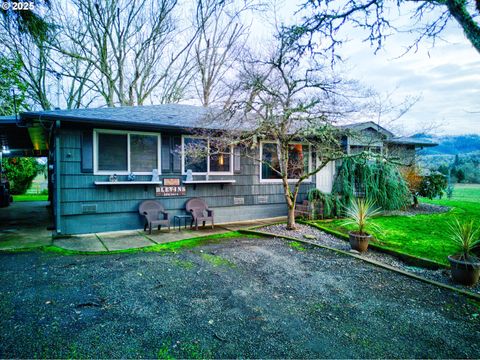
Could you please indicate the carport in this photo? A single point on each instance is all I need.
(23, 222)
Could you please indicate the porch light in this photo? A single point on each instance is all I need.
(5, 149)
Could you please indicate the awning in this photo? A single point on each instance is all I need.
(22, 140)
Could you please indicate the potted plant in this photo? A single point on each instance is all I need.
(464, 265)
(359, 213)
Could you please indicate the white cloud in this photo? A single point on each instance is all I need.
(447, 76)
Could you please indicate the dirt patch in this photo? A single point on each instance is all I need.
(249, 298)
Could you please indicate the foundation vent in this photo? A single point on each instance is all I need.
(238, 200)
(263, 199)
(89, 208)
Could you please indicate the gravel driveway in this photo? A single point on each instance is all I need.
(245, 298)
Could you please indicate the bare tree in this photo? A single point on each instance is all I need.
(219, 46)
(429, 18)
(51, 79)
(134, 48)
(292, 105)
(77, 88)
(32, 52)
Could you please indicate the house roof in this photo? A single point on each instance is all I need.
(411, 141)
(7, 120)
(174, 116)
(152, 116)
(366, 125)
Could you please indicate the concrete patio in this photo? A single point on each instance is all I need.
(124, 240)
(23, 225)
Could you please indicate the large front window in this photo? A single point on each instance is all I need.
(203, 156)
(196, 158)
(298, 161)
(112, 152)
(123, 152)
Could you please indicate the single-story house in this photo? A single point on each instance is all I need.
(94, 152)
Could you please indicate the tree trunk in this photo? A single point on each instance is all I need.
(458, 9)
(291, 218)
(415, 201)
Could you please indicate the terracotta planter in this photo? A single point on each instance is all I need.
(359, 242)
(464, 272)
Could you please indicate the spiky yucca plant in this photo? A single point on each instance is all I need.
(359, 212)
(465, 236)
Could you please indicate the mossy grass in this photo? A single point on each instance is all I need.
(167, 247)
(216, 260)
(297, 245)
(183, 350)
(184, 264)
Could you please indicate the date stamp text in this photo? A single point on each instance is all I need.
(17, 5)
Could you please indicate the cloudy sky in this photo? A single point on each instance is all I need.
(446, 77)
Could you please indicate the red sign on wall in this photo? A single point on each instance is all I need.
(171, 182)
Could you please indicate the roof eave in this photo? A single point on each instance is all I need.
(94, 122)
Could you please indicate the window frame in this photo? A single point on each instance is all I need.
(208, 158)
(277, 181)
(128, 133)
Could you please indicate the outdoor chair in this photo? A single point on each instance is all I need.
(200, 212)
(154, 214)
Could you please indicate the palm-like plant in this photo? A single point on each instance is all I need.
(465, 236)
(359, 213)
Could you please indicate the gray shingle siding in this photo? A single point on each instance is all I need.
(117, 207)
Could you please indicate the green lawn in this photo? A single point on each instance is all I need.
(30, 197)
(424, 236)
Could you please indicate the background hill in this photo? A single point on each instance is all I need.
(457, 155)
(452, 145)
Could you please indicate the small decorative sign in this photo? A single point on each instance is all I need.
(171, 182)
(170, 190)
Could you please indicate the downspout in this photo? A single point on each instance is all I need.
(57, 179)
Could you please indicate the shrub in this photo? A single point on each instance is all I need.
(412, 176)
(433, 186)
(329, 202)
(465, 237)
(376, 180)
(359, 213)
(20, 172)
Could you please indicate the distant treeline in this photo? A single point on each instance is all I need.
(455, 156)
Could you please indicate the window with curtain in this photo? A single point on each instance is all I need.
(298, 161)
(220, 159)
